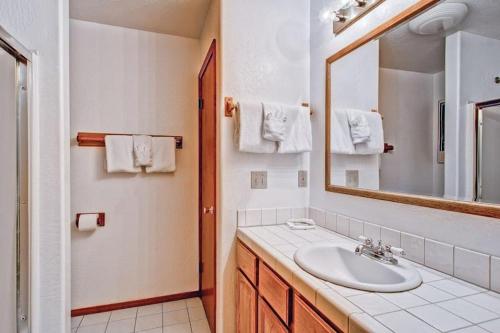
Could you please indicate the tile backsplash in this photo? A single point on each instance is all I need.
(477, 268)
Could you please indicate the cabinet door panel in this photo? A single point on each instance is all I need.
(268, 321)
(308, 321)
(247, 262)
(246, 306)
(275, 291)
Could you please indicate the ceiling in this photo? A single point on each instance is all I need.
(402, 49)
(174, 17)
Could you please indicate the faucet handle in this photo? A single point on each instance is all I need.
(396, 251)
(365, 240)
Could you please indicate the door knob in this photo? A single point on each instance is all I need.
(208, 210)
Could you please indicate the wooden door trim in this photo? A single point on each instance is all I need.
(211, 55)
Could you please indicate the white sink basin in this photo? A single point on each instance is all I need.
(338, 264)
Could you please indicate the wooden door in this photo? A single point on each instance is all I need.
(268, 321)
(305, 320)
(246, 305)
(207, 86)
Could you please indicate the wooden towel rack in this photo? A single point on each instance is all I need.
(87, 139)
(230, 106)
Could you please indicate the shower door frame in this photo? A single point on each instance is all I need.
(23, 56)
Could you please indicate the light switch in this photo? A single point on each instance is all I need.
(259, 180)
(302, 178)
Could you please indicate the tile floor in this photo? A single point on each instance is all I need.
(184, 316)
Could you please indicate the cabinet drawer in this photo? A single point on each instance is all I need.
(268, 322)
(247, 262)
(246, 305)
(275, 292)
(306, 320)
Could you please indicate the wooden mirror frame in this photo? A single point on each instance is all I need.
(473, 208)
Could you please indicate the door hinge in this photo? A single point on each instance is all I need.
(201, 267)
(200, 103)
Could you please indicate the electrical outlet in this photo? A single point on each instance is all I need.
(259, 180)
(352, 178)
(302, 178)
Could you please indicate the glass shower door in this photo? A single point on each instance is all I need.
(488, 164)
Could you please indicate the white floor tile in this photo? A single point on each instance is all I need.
(439, 318)
(373, 304)
(175, 305)
(148, 322)
(179, 328)
(431, 294)
(492, 326)
(200, 326)
(75, 321)
(175, 317)
(154, 330)
(454, 288)
(197, 313)
(121, 326)
(404, 300)
(100, 328)
(123, 314)
(471, 312)
(94, 319)
(149, 310)
(403, 322)
(193, 302)
(486, 301)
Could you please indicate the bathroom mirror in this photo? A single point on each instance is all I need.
(413, 109)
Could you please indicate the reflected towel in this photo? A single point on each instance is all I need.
(360, 130)
(163, 155)
(120, 154)
(274, 122)
(340, 133)
(376, 143)
(143, 155)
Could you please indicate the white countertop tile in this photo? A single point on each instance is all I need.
(471, 312)
(454, 288)
(492, 326)
(373, 304)
(439, 318)
(404, 300)
(403, 322)
(431, 294)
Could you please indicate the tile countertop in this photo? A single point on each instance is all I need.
(441, 304)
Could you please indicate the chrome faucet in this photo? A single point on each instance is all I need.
(379, 252)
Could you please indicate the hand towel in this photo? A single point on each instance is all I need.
(340, 133)
(298, 135)
(163, 155)
(143, 155)
(376, 143)
(120, 154)
(360, 131)
(274, 122)
(248, 129)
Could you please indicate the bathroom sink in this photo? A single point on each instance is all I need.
(338, 264)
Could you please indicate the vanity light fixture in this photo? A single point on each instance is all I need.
(350, 12)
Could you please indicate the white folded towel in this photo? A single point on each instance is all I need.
(298, 135)
(274, 122)
(120, 154)
(248, 129)
(376, 143)
(163, 155)
(143, 155)
(360, 131)
(340, 133)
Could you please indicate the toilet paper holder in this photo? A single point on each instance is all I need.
(101, 219)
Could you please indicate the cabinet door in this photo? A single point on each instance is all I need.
(268, 321)
(246, 306)
(306, 320)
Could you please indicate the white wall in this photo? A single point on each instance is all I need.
(407, 104)
(265, 50)
(355, 85)
(42, 26)
(130, 81)
(438, 168)
(474, 232)
(471, 66)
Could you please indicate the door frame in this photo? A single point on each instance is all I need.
(211, 54)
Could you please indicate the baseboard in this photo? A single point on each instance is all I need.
(132, 304)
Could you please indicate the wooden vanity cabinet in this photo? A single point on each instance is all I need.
(268, 321)
(246, 305)
(306, 320)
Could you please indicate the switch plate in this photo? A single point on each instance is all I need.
(302, 178)
(259, 180)
(352, 178)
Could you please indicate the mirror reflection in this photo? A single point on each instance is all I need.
(417, 111)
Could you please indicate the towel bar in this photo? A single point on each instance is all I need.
(87, 139)
(230, 106)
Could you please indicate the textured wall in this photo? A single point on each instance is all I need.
(130, 81)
